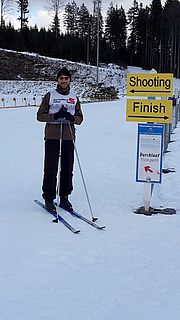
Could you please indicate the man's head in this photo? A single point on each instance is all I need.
(64, 72)
(64, 78)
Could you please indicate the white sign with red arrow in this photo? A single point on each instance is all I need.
(149, 153)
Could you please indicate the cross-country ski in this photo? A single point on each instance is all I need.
(57, 215)
(80, 216)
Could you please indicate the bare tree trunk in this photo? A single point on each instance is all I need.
(2, 13)
(21, 16)
(175, 51)
(171, 48)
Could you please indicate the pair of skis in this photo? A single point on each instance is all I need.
(67, 224)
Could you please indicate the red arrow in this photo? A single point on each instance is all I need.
(148, 169)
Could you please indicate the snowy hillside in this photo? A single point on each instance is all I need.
(37, 74)
(23, 92)
(33, 79)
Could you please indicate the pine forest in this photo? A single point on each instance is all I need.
(144, 36)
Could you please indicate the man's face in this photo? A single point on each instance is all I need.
(63, 82)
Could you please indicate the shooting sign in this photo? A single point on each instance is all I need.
(149, 84)
(159, 111)
(149, 153)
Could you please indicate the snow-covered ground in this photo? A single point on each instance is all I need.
(130, 270)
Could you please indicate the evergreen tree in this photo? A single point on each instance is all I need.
(33, 38)
(155, 18)
(84, 28)
(54, 9)
(109, 25)
(143, 36)
(23, 8)
(170, 37)
(71, 18)
(115, 32)
(83, 21)
(96, 21)
(133, 13)
(42, 44)
(155, 32)
(55, 26)
(96, 32)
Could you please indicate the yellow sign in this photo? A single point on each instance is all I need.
(150, 84)
(159, 111)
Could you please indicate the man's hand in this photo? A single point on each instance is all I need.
(68, 116)
(61, 113)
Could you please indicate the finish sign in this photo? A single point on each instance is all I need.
(150, 84)
(149, 153)
(159, 111)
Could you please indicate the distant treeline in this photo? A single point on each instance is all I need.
(148, 37)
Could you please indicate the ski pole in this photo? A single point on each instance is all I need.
(81, 172)
(59, 171)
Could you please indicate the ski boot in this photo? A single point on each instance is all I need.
(50, 206)
(65, 203)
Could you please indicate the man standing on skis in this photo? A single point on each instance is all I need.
(60, 109)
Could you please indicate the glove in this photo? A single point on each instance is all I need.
(68, 116)
(61, 113)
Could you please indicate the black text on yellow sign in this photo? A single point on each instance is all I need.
(148, 84)
(159, 111)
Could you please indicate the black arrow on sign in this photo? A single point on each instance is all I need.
(164, 117)
(158, 91)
